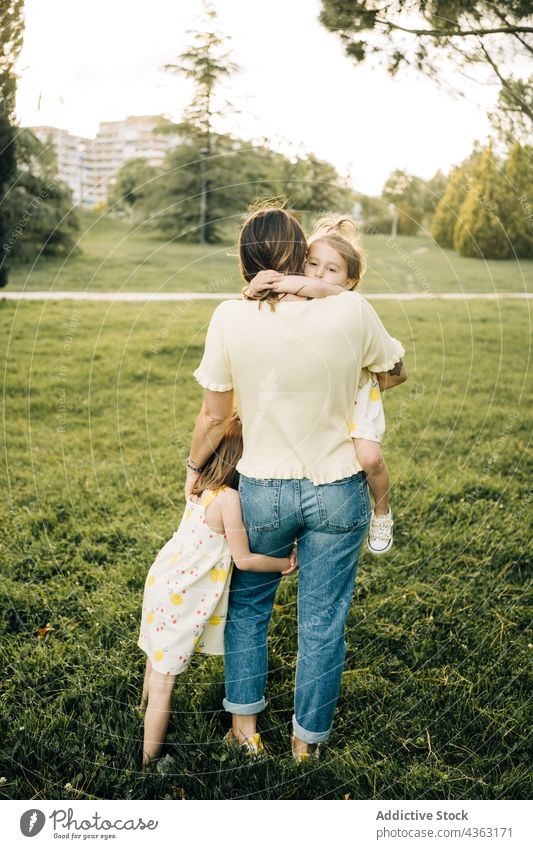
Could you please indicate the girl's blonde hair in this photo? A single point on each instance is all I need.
(220, 470)
(340, 233)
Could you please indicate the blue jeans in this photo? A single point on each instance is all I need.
(329, 522)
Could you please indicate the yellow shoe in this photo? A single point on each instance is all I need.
(305, 757)
(253, 746)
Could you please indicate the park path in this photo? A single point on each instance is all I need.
(222, 296)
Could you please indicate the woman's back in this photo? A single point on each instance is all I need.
(295, 372)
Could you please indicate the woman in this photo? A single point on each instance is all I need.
(292, 372)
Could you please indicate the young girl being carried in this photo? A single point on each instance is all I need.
(335, 263)
(186, 591)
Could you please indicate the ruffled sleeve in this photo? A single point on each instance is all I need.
(381, 351)
(214, 372)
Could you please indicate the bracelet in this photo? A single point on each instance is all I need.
(192, 466)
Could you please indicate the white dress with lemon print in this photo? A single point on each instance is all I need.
(186, 594)
(368, 417)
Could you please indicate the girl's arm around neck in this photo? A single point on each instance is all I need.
(230, 505)
(307, 287)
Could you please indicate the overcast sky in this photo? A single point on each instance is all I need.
(86, 61)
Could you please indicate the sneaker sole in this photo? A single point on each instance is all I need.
(383, 550)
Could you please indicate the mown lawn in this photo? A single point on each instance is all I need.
(117, 256)
(435, 700)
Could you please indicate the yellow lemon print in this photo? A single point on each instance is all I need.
(159, 654)
(374, 393)
(188, 514)
(176, 599)
(151, 580)
(150, 618)
(215, 620)
(214, 575)
(352, 425)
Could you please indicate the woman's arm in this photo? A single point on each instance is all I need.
(388, 379)
(239, 546)
(209, 429)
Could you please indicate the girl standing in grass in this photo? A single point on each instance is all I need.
(186, 591)
(334, 264)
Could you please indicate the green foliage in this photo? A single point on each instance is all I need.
(406, 193)
(421, 34)
(237, 173)
(510, 123)
(39, 205)
(11, 37)
(435, 700)
(205, 63)
(132, 184)
(415, 200)
(447, 210)
(480, 230)
(518, 171)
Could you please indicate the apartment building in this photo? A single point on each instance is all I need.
(89, 166)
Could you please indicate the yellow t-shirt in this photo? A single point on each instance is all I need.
(295, 372)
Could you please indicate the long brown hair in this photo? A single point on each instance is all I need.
(220, 469)
(271, 238)
(340, 233)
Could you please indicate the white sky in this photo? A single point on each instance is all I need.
(100, 60)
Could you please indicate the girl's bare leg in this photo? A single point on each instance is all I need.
(371, 459)
(157, 714)
(144, 697)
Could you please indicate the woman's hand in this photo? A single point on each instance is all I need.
(264, 281)
(293, 561)
(190, 480)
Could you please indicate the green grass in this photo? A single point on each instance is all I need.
(435, 699)
(117, 256)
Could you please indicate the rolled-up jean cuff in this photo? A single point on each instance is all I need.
(244, 710)
(309, 736)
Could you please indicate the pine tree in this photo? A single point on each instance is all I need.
(518, 171)
(480, 228)
(445, 217)
(207, 63)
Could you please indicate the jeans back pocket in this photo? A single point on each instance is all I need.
(344, 505)
(260, 503)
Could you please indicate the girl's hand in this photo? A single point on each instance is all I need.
(264, 281)
(291, 284)
(293, 561)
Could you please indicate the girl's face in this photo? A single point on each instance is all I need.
(325, 263)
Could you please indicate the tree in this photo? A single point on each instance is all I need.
(132, 184)
(239, 173)
(509, 123)
(448, 208)
(480, 227)
(434, 192)
(420, 33)
(311, 185)
(39, 205)
(11, 36)
(207, 63)
(406, 192)
(518, 171)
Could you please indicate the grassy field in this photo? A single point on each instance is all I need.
(435, 699)
(119, 257)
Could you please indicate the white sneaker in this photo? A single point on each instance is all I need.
(380, 533)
